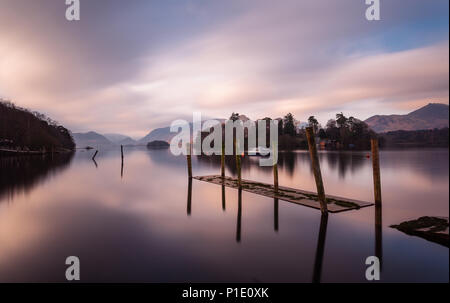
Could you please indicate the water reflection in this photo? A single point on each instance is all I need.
(344, 162)
(223, 198)
(189, 198)
(379, 234)
(318, 262)
(142, 228)
(239, 217)
(21, 174)
(275, 214)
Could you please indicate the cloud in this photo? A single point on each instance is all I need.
(130, 67)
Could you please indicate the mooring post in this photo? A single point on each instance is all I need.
(222, 160)
(376, 171)
(121, 151)
(93, 157)
(316, 169)
(189, 159)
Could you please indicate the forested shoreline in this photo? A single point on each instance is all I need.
(25, 131)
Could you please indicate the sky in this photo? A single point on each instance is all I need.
(131, 66)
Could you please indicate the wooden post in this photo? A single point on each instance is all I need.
(222, 160)
(316, 169)
(93, 157)
(376, 171)
(121, 151)
(189, 159)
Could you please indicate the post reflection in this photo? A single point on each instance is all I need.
(275, 214)
(320, 249)
(189, 198)
(223, 198)
(239, 217)
(379, 234)
(317, 275)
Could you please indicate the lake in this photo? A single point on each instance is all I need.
(149, 224)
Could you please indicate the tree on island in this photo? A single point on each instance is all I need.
(314, 124)
(234, 116)
(289, 125)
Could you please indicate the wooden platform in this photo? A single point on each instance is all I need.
(335, 204)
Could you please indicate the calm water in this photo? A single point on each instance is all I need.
(151, 226)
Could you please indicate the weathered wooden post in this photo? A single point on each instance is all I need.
(376, 171)
(189, 159)
(316, 169)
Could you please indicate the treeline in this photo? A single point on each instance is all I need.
(417, 138)
(26, 130)
(339, 133)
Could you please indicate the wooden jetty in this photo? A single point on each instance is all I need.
(306, 198)
(325, 203)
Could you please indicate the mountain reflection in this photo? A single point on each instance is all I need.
(20, 174)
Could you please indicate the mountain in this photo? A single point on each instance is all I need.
(164, 134)
(92, 139)
(159, 134)
(115, 138)
(431, 116)
(127, 141)
(120, 139)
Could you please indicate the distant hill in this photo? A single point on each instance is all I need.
(164, 134)
(127, 141)
(115, 137)
(92, 139)
(431, 116)
(415, 138)
(21, 128)
(159, 134)
(120, 139)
